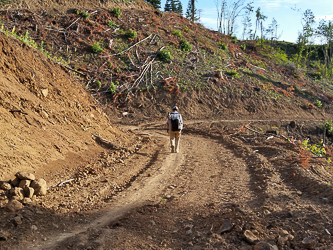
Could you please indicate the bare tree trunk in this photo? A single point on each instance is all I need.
(193, 10)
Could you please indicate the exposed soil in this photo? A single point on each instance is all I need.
(240, 181)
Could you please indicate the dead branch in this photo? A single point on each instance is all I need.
(72, 69)
(130, 47)
(316, 172)
(104, 140)
(73, 23)
(64, 182)
(252, 130)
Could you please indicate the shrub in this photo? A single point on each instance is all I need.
(233, 39)
(85, 15)
(112, 88)
(223, 46)
(316, 76)
(232, 73)
(328, 126)
(186, 29)
(116, 12)
(185, 46)
(243, 47)
(112, 23)
(177, 33)
(164, 55)
(318, 103)
(131, 34)
(96, 48)
(296, 76)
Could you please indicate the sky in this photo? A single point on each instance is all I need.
(289, 21)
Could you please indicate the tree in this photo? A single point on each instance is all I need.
(272, 30)
(246, 19)
(191, 11)
(173, 5)
(259, 19)
(156, 3)
(325, 29)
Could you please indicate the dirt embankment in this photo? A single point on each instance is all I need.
(45, 117)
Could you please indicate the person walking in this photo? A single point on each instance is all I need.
(174, 128)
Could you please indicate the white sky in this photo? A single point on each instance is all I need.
(289, 21)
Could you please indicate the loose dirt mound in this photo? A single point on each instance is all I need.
(45, 116)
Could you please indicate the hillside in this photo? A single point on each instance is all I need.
(83, 100)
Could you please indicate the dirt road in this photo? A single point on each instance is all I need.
(217, 193)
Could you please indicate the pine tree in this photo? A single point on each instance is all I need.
(191, 12)
(156, 3)
(174, 5)
(168, 5)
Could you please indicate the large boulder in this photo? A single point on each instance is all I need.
(15, 182)
(25, 176)
(40, 187)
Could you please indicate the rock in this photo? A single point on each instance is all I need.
(250, 237)
(262, 245)
(152, 223)
(24, 183)
(17, 192)
(308, 243)
(34, 228)
(17, 220)
(149, 237)
(5, 186)
(14, 205)
(3, 235)
(15, 182)
(29, 192)
(225, 227)
(25, 176)
(40, 187)
(26, 201)
(45, 92)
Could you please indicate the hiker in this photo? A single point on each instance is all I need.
(174, 128)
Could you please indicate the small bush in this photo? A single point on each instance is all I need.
(296, 76)
(316, 76)
(243, 47)
(99, 84)
(131, 34)
(112, 23)
(164, 55)
(328, 126)
(96, 48)
(185, 46)
(318, 103)
(116, 12)
(112, 88)
(177, 33)
(223, 46)
(232, 73)
(186, 29)
(233, 39)
(85, 15)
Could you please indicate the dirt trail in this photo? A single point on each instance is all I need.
(206, 197)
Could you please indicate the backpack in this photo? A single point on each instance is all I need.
(175, 122)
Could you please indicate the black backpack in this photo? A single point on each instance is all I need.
(175, 122)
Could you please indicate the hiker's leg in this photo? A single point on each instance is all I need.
(172, 140)
(177, 135)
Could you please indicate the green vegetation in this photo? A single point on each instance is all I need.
(233, 39)
(185, 46)
(316, 76)
(328, 126)
(85, 15)
(318, 149)
(116, 12)
(112, 23)
(318, 103)
(131, 34)
(164, 55)
(232, 73)
(186, 29)
(112, 88)
(177, 33)
(223, 46)
(96, 48)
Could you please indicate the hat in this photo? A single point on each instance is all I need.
(175, 108)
